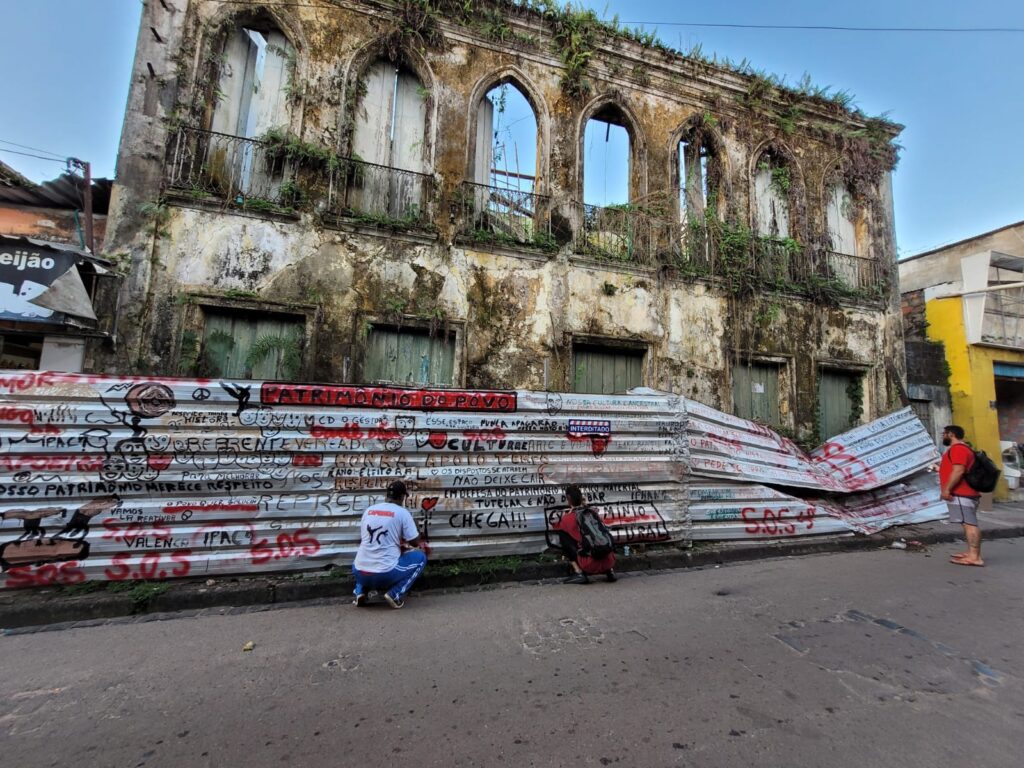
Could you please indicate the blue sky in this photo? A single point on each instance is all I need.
(67, 64)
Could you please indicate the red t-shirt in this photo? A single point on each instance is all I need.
(959, 454)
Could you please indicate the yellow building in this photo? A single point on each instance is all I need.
(969, 296)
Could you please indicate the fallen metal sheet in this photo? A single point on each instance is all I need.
(135, 478)
(870, 456)
(724, 511)
(878, 453)
(915, 500)
(111, 479)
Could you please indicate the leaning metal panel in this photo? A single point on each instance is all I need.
(867, 457)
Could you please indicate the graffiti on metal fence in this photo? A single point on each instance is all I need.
(105, 478)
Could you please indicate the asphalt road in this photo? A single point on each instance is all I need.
(886, 658)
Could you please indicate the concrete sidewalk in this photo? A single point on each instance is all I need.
(95, 602)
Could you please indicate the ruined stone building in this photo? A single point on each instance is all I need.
(316, 191)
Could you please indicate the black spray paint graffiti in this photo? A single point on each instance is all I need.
(131, 459)
(240, 392)
(34, 548)
(31, 520)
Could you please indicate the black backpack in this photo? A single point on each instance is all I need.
(983, 474)
(597, 539)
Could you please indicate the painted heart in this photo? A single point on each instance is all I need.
(437, 439)
(159, 461)
(429, 504)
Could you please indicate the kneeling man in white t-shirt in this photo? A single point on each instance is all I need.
(381, 565)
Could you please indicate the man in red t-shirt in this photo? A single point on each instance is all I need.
(960, 498)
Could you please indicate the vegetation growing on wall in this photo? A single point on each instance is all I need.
(855, 391)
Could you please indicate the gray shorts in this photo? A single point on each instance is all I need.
(963, 509)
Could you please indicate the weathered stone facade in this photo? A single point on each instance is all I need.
(515, 309)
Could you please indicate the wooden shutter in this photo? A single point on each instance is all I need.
(834, 404)
(755, 392)
(270, 108)
(407, 147)
(771, 212)
(484, 158)
(409, 356)
(841, 228)
(228, 340)
(227, 111)
(604, 372)
(371, 140)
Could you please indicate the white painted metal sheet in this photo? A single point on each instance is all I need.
(136, 478)
(106, 478)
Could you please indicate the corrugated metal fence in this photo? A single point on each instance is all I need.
(111, 479)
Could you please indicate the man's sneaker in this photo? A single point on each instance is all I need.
(361, 600)
(394, 602)
(577, 578)
(610, 575)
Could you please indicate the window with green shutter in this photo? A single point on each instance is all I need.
(837, 411)
(606, 371)
(755, 392)
(251, 346)
(409, 356)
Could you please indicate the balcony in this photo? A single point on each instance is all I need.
(854, 276)
(1003, 321)
(378, 195)
(502, 216)
(620, 234)
(268, 177)
(284, 176)
(205, 165)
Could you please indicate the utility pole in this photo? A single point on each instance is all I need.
(86, 169)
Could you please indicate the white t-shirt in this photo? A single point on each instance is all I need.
(382, 528)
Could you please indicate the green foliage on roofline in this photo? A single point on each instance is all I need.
(578, 31)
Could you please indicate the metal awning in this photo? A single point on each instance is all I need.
(40, 281)
(1009, 370)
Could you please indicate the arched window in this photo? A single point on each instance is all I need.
(612, 226)
(251, 102)
(841, 216)
(607, 150)
(254, 80)
(772, 188)
(504, 184)
(389, 143)
(700, 175)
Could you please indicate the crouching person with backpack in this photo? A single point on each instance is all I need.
(585, 541)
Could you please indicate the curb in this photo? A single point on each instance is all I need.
(41, 607)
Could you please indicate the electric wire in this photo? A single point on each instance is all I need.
(830, 27)
(34, 149)
(806, 27)
(40, 157)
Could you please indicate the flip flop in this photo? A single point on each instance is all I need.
(963, 562)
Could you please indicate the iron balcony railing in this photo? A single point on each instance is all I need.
(857, 275)
(259, 175)
(378, 194)
(500, 215)
(693, 248)
(780, 263)
(233, 169)
(627, 234)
